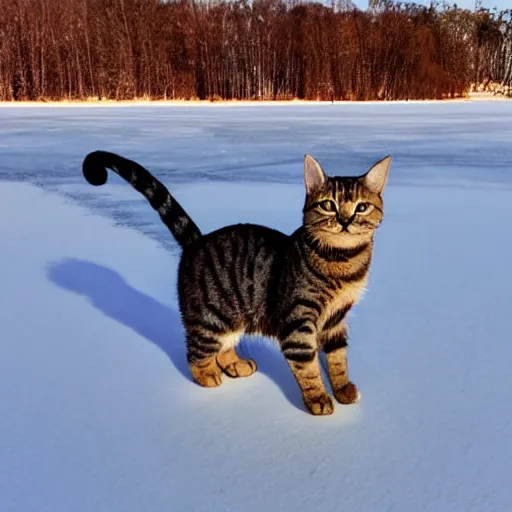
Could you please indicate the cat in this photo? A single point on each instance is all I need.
(244, 278)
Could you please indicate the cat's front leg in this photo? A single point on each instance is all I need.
(300, 348)
(334, 344)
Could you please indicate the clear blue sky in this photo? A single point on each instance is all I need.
(465, 4)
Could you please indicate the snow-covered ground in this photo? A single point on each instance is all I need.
(97, 410)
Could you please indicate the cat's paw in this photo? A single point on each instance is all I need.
(321, 405)
(208, 376)
(348, 394)
(240, 368)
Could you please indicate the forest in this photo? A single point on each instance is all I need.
(239, 50)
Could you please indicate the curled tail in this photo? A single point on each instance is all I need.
(172, 214)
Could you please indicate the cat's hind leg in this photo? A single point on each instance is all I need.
(233, 365)
(202, 350)
(209, 354)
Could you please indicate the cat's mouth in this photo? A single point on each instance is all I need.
(341, 232)
(344, 229)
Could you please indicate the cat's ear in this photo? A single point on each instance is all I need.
(314, 176)
(375, 179)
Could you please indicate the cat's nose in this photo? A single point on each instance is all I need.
(344, 221)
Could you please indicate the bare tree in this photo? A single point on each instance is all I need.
(241, 49)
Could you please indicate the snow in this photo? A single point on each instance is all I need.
(97, 408)
(471, 96)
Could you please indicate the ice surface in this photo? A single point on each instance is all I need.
(431, 143)
(97, 410)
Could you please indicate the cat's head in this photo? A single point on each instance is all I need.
(343, 211)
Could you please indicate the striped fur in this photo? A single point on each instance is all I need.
(172, 214)
(297, 289)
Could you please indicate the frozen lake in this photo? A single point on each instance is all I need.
(435, 144)
(98, 412)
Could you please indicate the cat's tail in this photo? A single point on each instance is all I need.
(172, 214)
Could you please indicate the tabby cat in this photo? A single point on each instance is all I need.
(247, 278)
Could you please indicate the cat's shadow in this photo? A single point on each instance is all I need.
(108, 292)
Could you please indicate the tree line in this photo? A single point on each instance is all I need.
(236, 49)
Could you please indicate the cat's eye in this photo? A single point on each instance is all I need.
(328, 206)
(362, 207)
